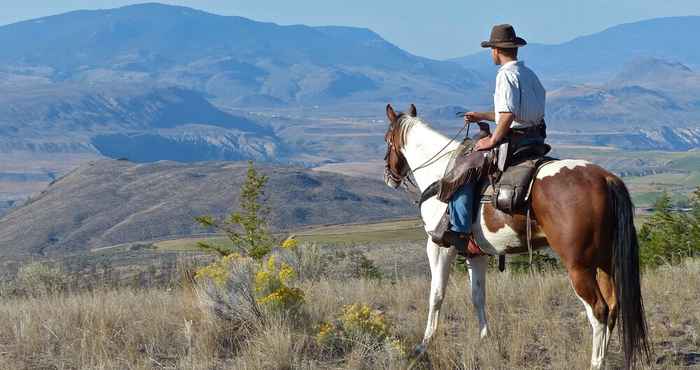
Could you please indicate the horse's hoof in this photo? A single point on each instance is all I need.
(419, 350)
(484, 333)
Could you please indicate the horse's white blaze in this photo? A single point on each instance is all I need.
(553, 168)
(601, 336)
(494, 242)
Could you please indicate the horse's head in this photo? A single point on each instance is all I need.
(396, 167)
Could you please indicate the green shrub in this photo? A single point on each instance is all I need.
(242, 289)
(40, 279)
(226, 289)
(669, 237)
(360, 324)
(310, 263)
(273, 288)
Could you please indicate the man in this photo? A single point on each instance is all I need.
(519, 101)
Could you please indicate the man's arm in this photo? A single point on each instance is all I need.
(479, 116)
(502, 130)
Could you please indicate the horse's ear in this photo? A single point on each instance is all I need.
(412, 111)
(390, 114)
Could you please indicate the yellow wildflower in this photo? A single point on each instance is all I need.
(325, 333)
(290, 243)
(262, 280)
(219, 270)
(271, 285)
(361, 319)
(286, 273)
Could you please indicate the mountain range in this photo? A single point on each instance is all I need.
(232, 58)
(152, 81)
(600, 56)
(159, 82)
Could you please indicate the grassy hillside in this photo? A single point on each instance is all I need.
(108, 202)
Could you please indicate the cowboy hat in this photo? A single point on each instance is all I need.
(503, 36)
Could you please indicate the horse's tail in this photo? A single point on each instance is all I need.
(630, 314)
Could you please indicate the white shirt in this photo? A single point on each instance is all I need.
(519, 91)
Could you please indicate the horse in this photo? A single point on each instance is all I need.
(581, 211)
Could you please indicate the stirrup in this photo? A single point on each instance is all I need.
(467, 246)
(473, 249)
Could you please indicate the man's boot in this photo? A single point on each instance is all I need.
(458, 240)
(464, 243)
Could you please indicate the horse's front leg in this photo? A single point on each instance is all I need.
(440, 265)
(477, 278)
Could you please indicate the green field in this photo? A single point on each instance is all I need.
(648, 174)
(387, 231)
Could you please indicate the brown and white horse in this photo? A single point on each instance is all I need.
(583, 212)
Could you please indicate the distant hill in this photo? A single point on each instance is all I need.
(139, 122)
(652, 70)
(598, 57)
(110, 202)
(70, 108)
(647, 93)
(227, 57)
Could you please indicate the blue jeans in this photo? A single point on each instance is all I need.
(461, 206)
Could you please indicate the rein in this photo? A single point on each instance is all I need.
(435, 158)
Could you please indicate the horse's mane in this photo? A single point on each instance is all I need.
(404, 124)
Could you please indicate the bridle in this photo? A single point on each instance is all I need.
(391, 177)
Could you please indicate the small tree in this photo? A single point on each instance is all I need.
(247, 228)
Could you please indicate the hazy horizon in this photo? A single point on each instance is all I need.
(418, 27)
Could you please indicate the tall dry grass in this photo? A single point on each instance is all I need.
(536, 322)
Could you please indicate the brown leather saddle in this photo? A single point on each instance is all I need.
(507, 169)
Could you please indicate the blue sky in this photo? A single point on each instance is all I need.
(436, 29)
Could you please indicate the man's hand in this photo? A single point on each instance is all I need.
(484, 144)
(473, 117)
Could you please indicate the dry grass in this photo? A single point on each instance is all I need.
(535, 321)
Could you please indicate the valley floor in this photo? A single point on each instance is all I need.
(536, 322)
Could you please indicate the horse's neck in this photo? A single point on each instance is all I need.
(422, 144)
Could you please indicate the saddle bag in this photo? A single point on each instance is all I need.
(510, 192)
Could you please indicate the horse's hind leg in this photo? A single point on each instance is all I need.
(440, 264)
(606, 284)
(588, 291)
